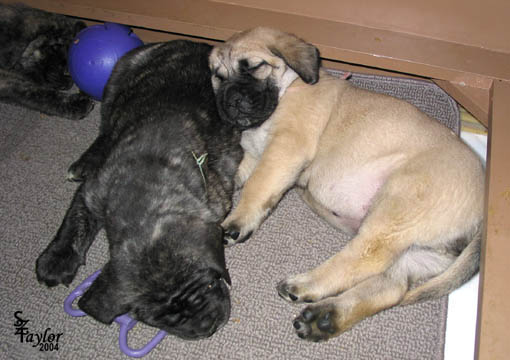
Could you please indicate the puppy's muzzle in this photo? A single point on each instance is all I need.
(205, 314)
(196, 311)
(246, 102)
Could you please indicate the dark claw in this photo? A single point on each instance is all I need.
(316, 323)
(307, 315)
(74, 179)
(284, 290)
(80, 170)
(234, 234)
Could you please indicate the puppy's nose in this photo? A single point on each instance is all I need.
(236, 100)
(235, 103)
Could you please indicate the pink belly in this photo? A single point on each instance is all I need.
(349, 193)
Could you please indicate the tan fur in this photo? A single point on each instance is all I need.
(408, 190)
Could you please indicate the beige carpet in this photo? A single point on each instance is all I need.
(35, 153)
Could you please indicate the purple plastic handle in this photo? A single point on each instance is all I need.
(125, 322)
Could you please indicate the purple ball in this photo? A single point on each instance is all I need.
(94, 52)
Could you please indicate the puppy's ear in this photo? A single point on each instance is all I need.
(300, 56)
(79, 26)
(103, 300)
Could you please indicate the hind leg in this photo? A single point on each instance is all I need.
(399, 217)
(60, 261)
(413, 232)
(335, 315)
(365, 256)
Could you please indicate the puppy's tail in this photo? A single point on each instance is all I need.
(463, 268)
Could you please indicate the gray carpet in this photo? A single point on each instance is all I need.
(35, 153)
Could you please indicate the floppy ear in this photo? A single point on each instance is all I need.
(299, 55)
(102, 300)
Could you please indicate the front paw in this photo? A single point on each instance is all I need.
(80, 170)
(86, 166)
(78, 106)
(237, 230)
(242, 223)
(317, 323)
(54, 267)
(296, 291)
(233, 234)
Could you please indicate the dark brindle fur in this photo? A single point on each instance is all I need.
(33, 61)
(160, 209)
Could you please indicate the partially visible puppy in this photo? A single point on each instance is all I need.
(33, 61)
(159, 180)
(405, 186)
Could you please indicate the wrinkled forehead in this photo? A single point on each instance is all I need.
(230, 57)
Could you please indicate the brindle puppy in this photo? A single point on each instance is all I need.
(33, 61)
(159, 180)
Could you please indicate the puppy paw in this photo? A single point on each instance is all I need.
(57, 267)
(78, 106)
(234, 235)
(86, 166)
(317, 323)
(235, 232)
(296, 291)
(64, 82)
(80, 170)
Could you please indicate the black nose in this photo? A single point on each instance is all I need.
(235, 100)
(233, 105)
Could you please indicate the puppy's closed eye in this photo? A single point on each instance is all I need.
(244, 65)
(259, 69)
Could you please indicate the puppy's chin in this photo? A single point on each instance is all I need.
(195, 310)
(246, 102)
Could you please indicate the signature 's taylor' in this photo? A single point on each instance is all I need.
(47, 340)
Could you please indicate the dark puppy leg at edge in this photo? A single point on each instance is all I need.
(60, 261)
